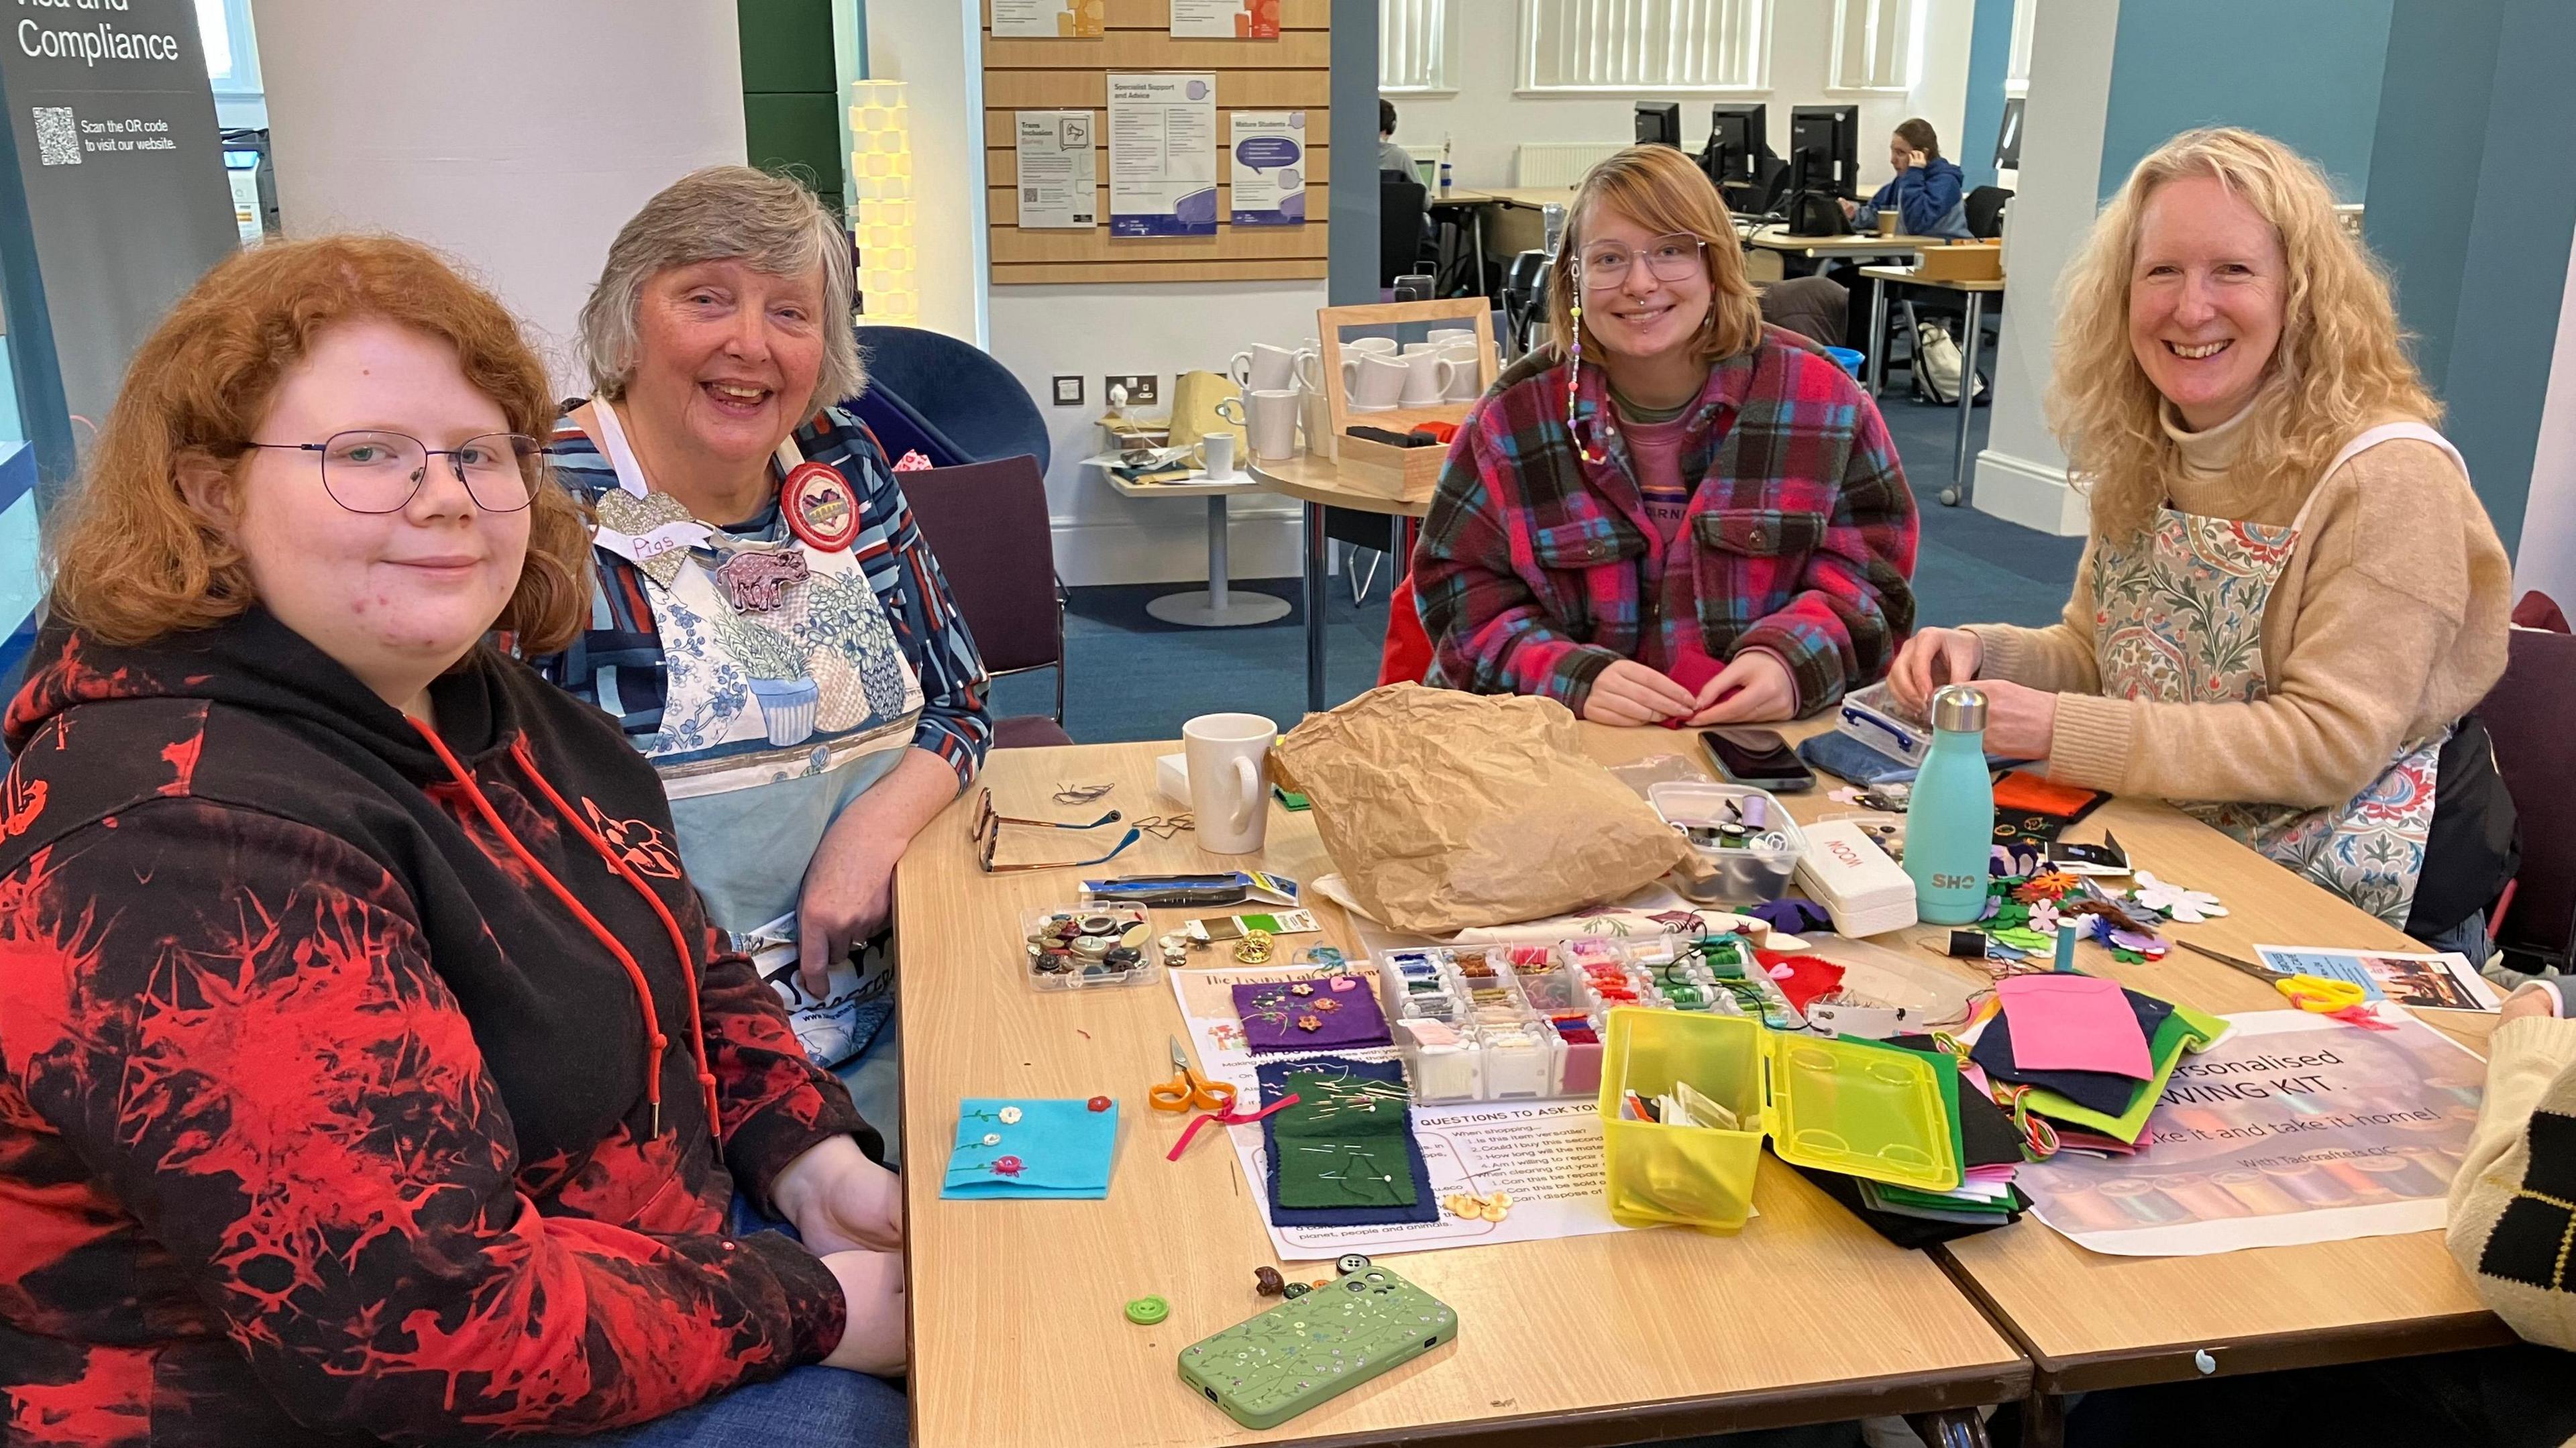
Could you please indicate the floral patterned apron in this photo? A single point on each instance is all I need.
(2181, 620)
(772, 722)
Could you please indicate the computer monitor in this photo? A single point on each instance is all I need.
(2008, 137)
(1737, 137)
(1659, 123)
(1824, 149)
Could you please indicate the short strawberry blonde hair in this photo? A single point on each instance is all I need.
(1665, 192)
(135, 563)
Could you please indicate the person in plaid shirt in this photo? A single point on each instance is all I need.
(1709, 525)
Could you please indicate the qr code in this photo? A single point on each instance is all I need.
(57, 136)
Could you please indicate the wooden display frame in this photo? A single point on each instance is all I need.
(1292, 72)
(1411, 471)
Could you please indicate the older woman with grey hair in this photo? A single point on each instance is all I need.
(768, 626)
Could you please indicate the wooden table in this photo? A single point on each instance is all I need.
(2091, 1321)
(1961, 484)
(1777, 238)
(1319, 483)
(1017, 1332)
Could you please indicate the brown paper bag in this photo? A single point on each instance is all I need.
(1446, 811)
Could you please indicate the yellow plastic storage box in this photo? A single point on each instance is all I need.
(1848, 1106)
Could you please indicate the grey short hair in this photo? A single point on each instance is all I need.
(723, 213)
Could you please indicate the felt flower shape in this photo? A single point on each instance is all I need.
(1010, 1116)
(2044, 917)
(2150, 946)
(1301, 988)
(2188, 907)
(2048, 885)
(1008, 1166)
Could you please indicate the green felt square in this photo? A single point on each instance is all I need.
(1343, 1143)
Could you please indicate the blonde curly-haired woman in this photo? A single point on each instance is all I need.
(2291, 600)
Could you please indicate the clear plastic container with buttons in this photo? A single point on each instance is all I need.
(1087, 947)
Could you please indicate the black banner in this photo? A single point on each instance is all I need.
(113, 201)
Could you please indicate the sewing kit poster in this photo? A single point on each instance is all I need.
(2292, 1128)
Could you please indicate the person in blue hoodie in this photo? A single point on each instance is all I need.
(1928, 193)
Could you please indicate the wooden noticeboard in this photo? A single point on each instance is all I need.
(1293, 72)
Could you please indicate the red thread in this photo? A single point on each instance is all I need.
(1226, 1117)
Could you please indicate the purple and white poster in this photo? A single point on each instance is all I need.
(1269, 150)
(1162, 154)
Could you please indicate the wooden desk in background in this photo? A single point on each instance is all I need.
(1017, 1332)
(1805, 1316)
(1844, 248)
(1319, 483)
(1962, 486)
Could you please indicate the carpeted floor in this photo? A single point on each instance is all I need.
(1135, 677)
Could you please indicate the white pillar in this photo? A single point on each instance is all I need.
(516, 137)
(2546, 557)
(2021, 476)
(935, 47)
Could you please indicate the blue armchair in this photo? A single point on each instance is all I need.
(948, 399)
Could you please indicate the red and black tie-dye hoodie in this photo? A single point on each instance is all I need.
(355, 1081)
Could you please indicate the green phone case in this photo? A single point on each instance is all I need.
(1269, 1369)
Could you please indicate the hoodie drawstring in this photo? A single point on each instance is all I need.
(634, 972)
(670, 926)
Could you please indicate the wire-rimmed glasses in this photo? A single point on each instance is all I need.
(370, 470)
(1671, 258)
(988, 834)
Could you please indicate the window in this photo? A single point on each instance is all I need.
(232, 57)
(1413, 45)
(1661, 45)
(2017, 67)
(1873, 45)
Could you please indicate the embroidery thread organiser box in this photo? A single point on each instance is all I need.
(1526, 1022)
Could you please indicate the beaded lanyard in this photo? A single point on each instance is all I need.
(1574, 375)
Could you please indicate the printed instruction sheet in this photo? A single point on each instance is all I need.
(1162, 153)
(1546, 1154)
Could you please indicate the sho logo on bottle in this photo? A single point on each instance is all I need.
(1955, 882)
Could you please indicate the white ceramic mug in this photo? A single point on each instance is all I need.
(1271, 427)
(1468, 383)
(1315, 417)
(1229, 786)
(1426, 378)
(1306, 369)
(1411, 348)
(1262, 368)
(1384, 345)
(1453, 334)
(1216, 456)
(1377, 382)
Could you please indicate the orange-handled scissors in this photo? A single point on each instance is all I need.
(2316, 993)
(1186, 1092)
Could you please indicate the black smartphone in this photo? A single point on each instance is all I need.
(1758, 757)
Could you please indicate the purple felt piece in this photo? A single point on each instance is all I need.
(1274, 1015)
(1791, 914)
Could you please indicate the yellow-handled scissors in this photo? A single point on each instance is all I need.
(2316, 993)
(1186, 1092)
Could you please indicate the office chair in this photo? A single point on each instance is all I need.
(1985, 212)
(987, 525)
(2526, 717)
(1404, 212)
(1524, 300)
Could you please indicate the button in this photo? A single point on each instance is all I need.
(1351, 1262)
(1098, 1103)
(1146, 1311)
(1010, 1116)
(992, 1138)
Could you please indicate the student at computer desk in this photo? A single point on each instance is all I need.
(2291, 601)
(1706, 524)
(1928, 192)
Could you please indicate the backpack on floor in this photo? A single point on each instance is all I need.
(1936, 363)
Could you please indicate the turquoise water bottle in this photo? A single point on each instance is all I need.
(1950, 819)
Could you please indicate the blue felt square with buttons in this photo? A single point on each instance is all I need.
(1025, 1147)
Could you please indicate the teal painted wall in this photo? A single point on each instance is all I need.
(2473, 109)
(1989, 56)
(2306, 72)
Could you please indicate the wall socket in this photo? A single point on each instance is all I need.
(1141, 390)
(1068, 391)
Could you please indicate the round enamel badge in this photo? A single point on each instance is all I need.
(819, 507)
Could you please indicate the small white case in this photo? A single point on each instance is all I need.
(1845, 871)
